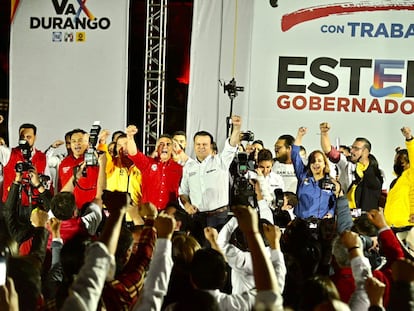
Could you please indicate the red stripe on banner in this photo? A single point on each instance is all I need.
(292, 19)
(14, 5)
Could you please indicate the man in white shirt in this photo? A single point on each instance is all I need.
(283, 165)
(204, 188)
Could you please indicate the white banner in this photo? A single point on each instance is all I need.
(217, 55)
(346, 63)
(68, 66)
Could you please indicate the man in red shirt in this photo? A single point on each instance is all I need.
(24, 153)
(161, 175)
(85, 186)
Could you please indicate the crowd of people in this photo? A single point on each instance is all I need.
(103, 226)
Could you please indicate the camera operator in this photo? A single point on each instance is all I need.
(267, 180)
(29, 156)
(316, 191)
(18, 215)
(86, 184)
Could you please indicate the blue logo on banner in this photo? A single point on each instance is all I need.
(57, 36)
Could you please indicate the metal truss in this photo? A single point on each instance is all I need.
(154, 89)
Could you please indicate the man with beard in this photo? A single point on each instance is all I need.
(283, 162)
(161, 175)
(25, 152)
(364, 183)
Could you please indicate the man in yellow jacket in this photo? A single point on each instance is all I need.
(122, 174)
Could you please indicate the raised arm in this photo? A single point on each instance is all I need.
(299, 136)
(99, 258)
(409, 142)
(158, 277)
(264, 275)
(325, 141)
(130, 131)
(235, 133)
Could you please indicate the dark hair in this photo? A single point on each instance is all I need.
(366, 142)
(197, 300)
(204, 133)
(318, 289)
(179, 133)
(345, 147)
(116, 133)
(125, 241)
(69, 134)
(264, 155)
(28, 126)
(289, 140)
(214, 147)
(258, 141)
(292, 198)
(208, 269)
(121, 135)
(402, 153)
(165, 136)
(72, 258)
(62, 205)
(25, 272)
(75, 131)
(312, 159)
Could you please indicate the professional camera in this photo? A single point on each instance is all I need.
(26, 149)
(242, 187)
(231, 88)
(281, 218)
(326, 184)
(247, 136)
(21, 167)
(90, 154)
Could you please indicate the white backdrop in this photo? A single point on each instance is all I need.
(63, 75)
(323, 40)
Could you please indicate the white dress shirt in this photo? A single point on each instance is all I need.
(206, 183)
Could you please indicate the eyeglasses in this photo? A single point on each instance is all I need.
(357, 148)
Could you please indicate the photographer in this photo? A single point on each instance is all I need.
(18, 215)
(29, 155)
(85, 186)
(268, 181)
(316, 191)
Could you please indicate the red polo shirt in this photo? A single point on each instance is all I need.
(38, 161)
(85, 188)
(160, 180)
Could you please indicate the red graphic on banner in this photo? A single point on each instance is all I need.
(14, 5)
(292, 19)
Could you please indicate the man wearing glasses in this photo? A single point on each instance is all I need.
(360, 177)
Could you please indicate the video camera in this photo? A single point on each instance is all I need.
(26, 149)
(90, 154)
(247, 136)
(326, 184)
(231, 88)
(243, 189)
(21, 167)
